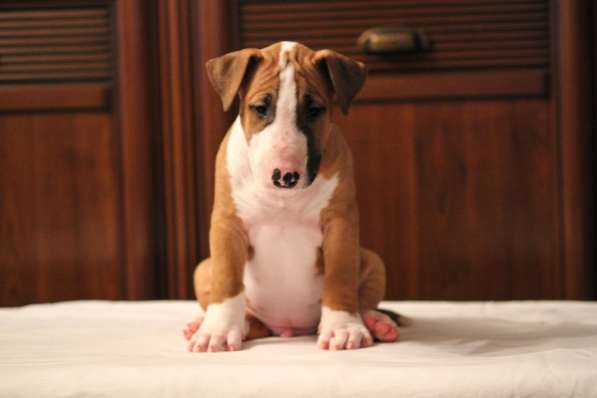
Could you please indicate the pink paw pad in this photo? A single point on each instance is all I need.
(192, 327)
(381, 326)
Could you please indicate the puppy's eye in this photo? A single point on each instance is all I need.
(259, 109)
(314, 111)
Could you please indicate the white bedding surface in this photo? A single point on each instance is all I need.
(136, 349)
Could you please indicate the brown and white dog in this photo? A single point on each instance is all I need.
(284, 238)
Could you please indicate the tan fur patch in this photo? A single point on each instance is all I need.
(261, 87)
(340, 225)
(372, 280)
(228, 240)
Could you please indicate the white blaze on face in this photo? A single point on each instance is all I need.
(281, 145)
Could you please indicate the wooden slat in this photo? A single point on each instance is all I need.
(457, 64)
(447, 41)
(474, 29)
(55, 76)
(341, 37)
(50, 67)
(490, 53)
(455, 85)
(428, 22)
(512, 36)
(354, 31)
(298, 6)
(56, 49)
(25, 33)
(397, 12)
(53, 23)
(54, 97)
(53, 14)
(54, 58)
(54, 40)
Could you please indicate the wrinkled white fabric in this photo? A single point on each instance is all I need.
(136, 349)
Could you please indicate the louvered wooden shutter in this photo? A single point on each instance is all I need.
(465, 34)
(55, 42)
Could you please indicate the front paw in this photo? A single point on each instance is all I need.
(339, 330)
(222, 329)
(217, 340)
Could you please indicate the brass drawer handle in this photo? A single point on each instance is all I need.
(401, 39)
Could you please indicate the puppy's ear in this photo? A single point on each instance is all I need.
(346, 75)
(226, 73)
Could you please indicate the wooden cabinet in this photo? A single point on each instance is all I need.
(77, 189)
(456, 151)
(470, 160)
(473, 158)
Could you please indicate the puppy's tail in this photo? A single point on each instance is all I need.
(400, 320)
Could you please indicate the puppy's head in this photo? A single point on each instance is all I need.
(287, 93)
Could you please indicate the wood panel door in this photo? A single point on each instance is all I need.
(78, 211)
(472, 162)
(459, 196)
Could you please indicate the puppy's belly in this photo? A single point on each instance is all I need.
(282, 282)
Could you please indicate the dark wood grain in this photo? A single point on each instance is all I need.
(577, 151)
(80, 170)
(59, 209)
(134, 124)
(459, 197)
(178, 109)
(382, 139)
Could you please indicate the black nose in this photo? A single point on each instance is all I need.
(289, 179)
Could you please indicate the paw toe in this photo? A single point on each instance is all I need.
(191, 328)
(339, 340)
(323, 341)
(234, 339)
(367, 341)
(216, 343)
(233, 347)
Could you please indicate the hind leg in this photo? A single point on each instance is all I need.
(372, 285)
(202, 285)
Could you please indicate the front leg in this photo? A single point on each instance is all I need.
(224, 325)
(341, 326)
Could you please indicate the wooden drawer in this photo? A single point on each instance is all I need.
(478, 48)
(465, 34)
(78, 219)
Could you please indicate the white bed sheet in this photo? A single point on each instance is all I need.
(136, 349)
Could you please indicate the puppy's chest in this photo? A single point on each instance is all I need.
(284, 232)
(282, 278)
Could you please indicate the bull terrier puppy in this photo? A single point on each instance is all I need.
(284, 237)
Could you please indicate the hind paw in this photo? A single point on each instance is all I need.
(192, 327)
(381, 326)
